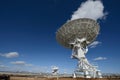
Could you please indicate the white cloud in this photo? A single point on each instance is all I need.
(93, 9)
(28, 64)
(94, 44)
(21, 63)
(10, 55)
(37, 68)
(3, 66)
(100, 58)
(18, 63)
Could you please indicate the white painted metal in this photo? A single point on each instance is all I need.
(77, 35)
(83, 66)
(55, 70)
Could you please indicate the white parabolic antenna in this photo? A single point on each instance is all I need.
(77, 35)
(55, 70)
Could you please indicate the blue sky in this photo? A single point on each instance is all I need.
(28, 39)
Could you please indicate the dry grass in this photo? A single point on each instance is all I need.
(26, 78)
(35, 78)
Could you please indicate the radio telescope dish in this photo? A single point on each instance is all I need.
(79, 28)
(77, 35)
(55, 70)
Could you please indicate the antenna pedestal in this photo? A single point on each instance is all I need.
(84, 67)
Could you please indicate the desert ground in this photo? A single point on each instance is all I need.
(28, 78)
(38, 77)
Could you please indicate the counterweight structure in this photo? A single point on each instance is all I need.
(77, 35)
